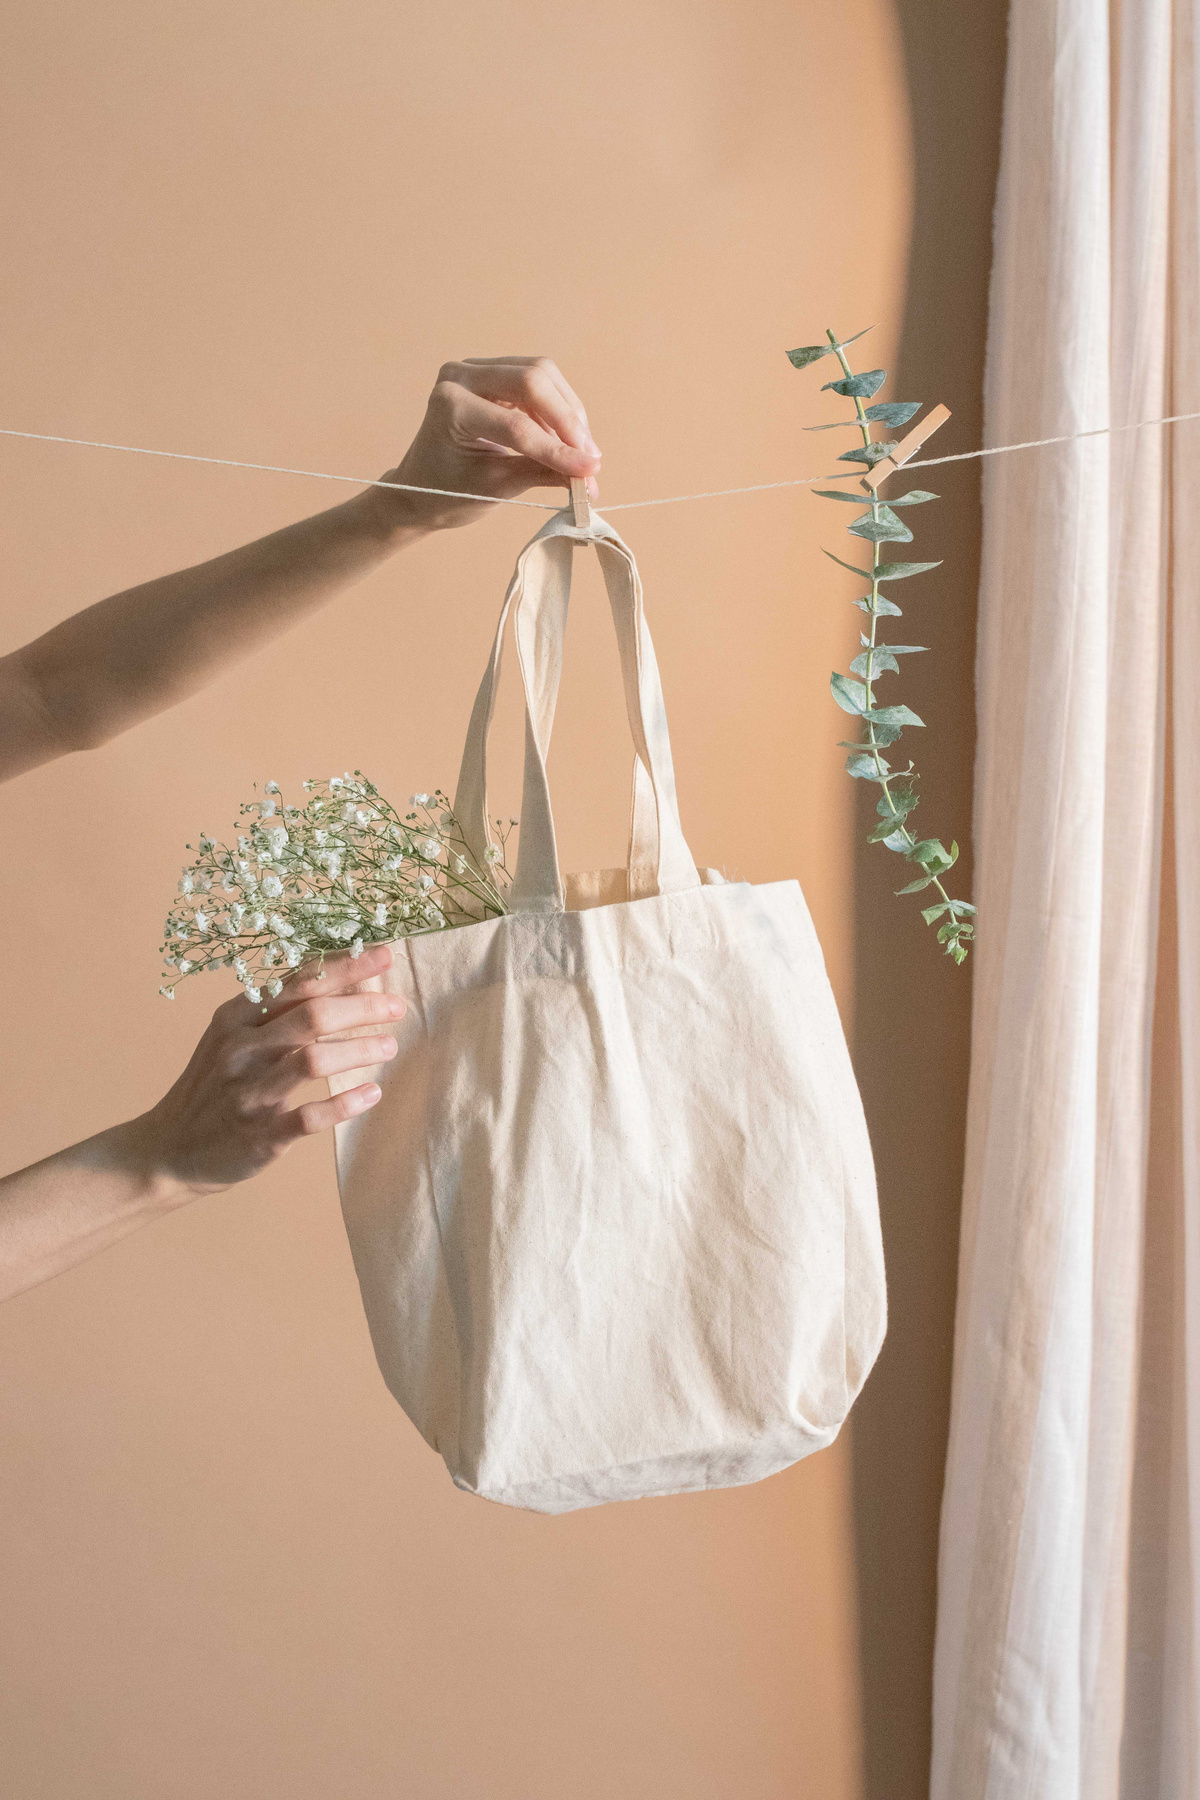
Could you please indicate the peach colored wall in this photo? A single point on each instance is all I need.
(228, 1565)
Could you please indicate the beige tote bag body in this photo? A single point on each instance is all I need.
(614, 1218)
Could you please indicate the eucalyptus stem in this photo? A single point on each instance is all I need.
(884, 724)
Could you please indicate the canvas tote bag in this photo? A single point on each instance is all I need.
(614, 1217)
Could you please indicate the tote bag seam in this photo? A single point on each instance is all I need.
(437, 1219)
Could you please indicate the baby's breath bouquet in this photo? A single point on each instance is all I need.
(344, 869)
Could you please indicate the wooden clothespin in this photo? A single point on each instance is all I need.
(580, 505)
(906, 448)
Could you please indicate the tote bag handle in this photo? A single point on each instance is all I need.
(538, 597)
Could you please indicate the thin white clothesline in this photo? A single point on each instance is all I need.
(760, 487)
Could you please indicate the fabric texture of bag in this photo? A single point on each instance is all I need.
(614, 1218)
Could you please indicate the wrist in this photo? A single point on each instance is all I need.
(137, 1150)
(399, 517)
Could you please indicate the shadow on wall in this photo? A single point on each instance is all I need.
(912, 1008)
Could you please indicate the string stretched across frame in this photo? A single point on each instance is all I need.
(885, 467)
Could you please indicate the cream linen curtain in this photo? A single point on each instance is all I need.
(1067, 1648)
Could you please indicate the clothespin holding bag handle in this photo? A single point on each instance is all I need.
(580, 505)
(906, 448)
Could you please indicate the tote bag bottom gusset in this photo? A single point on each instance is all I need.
(688, 1472)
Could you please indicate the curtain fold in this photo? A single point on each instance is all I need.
(1066, 1656)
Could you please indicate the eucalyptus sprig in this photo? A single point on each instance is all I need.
(343, 869)
(880, 525)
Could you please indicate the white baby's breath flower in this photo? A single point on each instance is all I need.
(186, 882)
(168, 993)
(185, 965)
(335, 782)
(292, 958)
(258, 921)
(271, 787)
(266, 809)
(364, 814)
(272, 887)
(425, 880)
(419, 799)
(356, 948)
(275, 988)
(272, 954)
(429, 847)
(348, 811)
(240, 969)
(381, 914)
(281, 926)
(445, 820)
(492, 854)
(253, 994)
(202, 921)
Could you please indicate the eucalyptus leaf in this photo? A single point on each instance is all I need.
(900, 571)
(808, 353)
(879, 661)
(898, 841)
(914, 887)
(931, 853)
(846, 342)
(858, 387)
(880, 527)
(914, 497)
(839, 494)
(881, 607)
(894, 715)
(851, 696)
(885, 732)
(863, 767)
(884, 829)
(867, 453)
(930, 913)
(902, 798)
(834, 425)
(893, 412)
(906, 649)
(865, 573)
(962, 907)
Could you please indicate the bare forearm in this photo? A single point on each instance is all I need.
(139, 652)
(61, 1210)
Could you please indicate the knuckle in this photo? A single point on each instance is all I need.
(312, 1060)
(311, 1017)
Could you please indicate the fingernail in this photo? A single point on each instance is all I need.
(396, 1006)
(593, 446)
(390, 1047)
(371, 1094)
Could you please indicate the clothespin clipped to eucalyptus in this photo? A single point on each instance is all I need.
(855, 693)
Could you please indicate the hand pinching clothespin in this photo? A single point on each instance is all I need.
(579, 503)
(906, 448)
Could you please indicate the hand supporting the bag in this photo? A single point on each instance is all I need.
(225, 1119)
(493, 427)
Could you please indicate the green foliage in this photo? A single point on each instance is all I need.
(854, 693)
(859, 387)
(890, 412)
(881, 526)
(868, 453)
